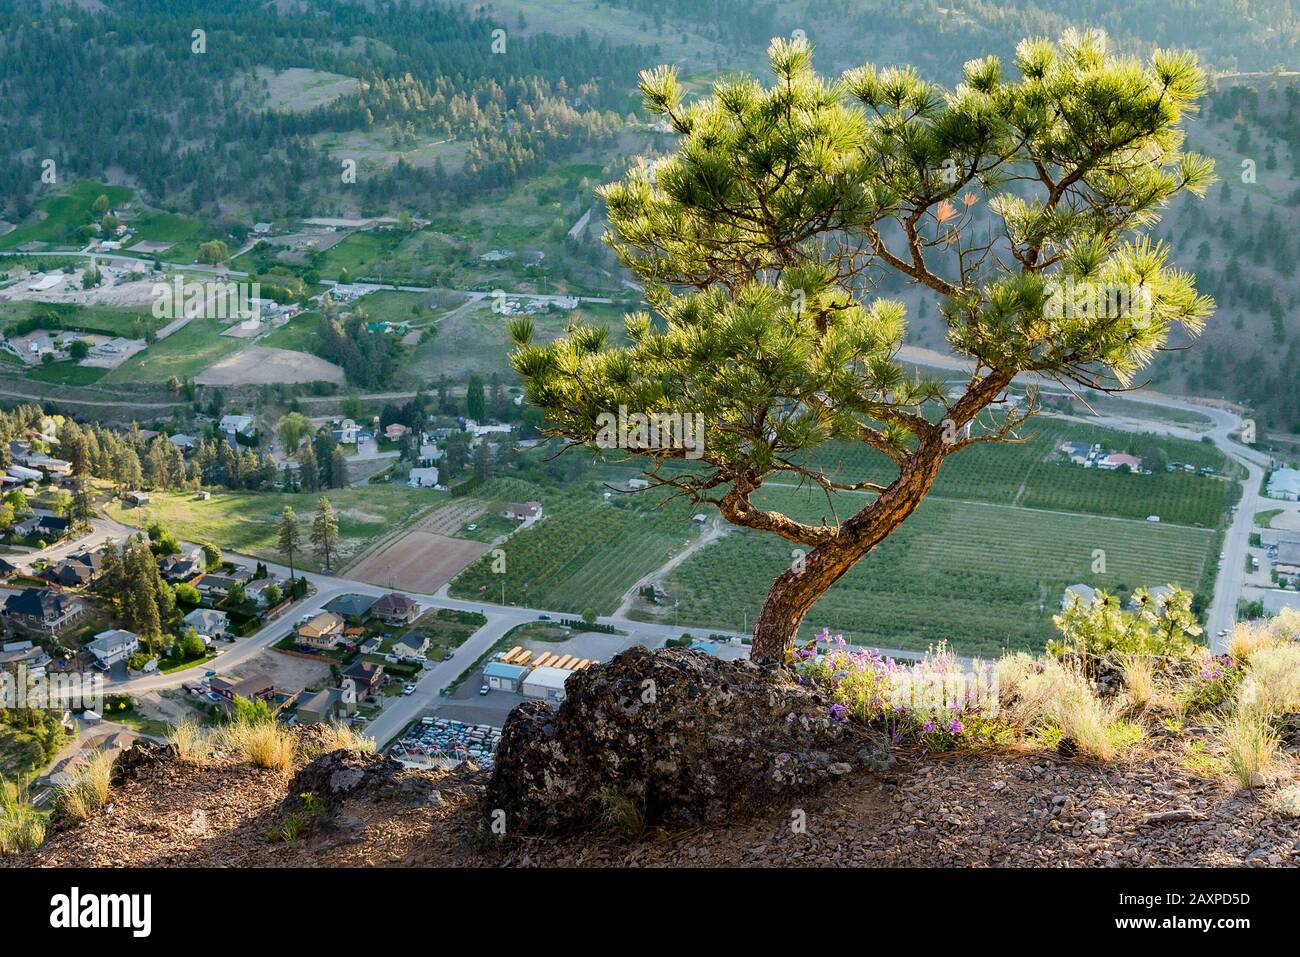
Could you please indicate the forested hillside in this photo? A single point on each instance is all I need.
(191, 126)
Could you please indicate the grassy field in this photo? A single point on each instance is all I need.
(55, 215)
(298, 334)
(246, 522)
(110, 320)
(981, 577)
(183, 354)
(583, 553)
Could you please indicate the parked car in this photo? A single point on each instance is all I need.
(448, 656)
(484, 689)
(408, 689)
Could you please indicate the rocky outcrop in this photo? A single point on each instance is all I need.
(668, 737)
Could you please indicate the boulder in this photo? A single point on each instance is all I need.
(679, 737)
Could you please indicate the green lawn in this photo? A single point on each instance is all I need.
(982, 577)
(66, 372)
(297, 335)
(183, 354)
(71, 207)
(109, 320)
(246, 522)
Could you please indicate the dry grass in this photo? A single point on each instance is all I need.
(263, 743)
(1043, 692)
(1273, 685)
(341, 737)
(88, 790)
(22, 827)
(190, 743)
(1250, 637)
(1250, 746)
(1142, 682)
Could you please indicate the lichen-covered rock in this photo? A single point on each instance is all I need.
(678, 736)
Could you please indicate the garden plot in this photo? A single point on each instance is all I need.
(418, 561)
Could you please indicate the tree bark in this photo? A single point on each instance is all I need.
(796, 590)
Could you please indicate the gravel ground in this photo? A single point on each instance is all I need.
(1007, 809)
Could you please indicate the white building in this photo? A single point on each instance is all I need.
(546, 684)
(1284, 484)
(208, 621)
(237, 425)
(110, 647)
(426, 477)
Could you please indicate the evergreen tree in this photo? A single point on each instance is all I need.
(325, 531)
(752, 238)
(289, 537)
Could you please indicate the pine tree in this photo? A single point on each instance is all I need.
(325, 531)
(289, 537)
(752, 240)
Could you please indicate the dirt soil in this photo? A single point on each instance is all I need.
(261, 365)
(420, 562)
(1006, 809)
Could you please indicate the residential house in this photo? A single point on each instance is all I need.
(237, 425)
(24, 654)
(410, 645)
(1080, 453)
(1080, 592)
(218, 586)
(346, 432)
(430, 454)
(546, 683)
(110, 647)
(182, 566)
(503, 677)
(350, 606)
(329, 704)
(7, 568)
(254, 688)
(367, 677)
(423, 477)
(257, 589)
(324, 631)
(52, 528)
(395, 431)
(186, 443)
(136, 499)
(524, 511)
(43, 610)
(395, 609)
(48, 466)
(70, 573)
(209, 622)
(1117, 460)
(371, 646)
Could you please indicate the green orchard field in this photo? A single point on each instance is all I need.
(982, 577)
(583, 553)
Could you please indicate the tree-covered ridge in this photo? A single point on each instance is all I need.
(937, 36)
(122, 91)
